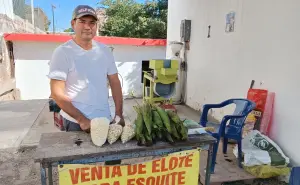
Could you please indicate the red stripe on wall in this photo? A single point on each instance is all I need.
(104, 40)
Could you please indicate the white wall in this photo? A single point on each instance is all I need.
(6, 7)
(264, 47)
(32, 66)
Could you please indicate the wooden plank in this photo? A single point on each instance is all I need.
(60, 146)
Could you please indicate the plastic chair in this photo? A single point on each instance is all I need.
(233, 130)
(294, 177)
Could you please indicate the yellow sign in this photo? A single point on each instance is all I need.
(175, 169)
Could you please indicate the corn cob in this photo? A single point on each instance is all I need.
(168, 137)
(139, 123)
(128, 133)
(182, 130)
(141, 141)
(147, 116)
(159, 135)
(174, 130)
(173, 116)
(157, 120)
(114, 132)
(154, 137)
(165, 118)
(148, 138)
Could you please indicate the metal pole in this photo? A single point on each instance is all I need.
(32, 15)
(53, 18)
(208, 165)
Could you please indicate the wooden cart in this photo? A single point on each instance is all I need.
(60, 148)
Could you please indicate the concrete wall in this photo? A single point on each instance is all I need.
(6, 7)
(264, 47)
(12, 23)
(32, 66)
(17, 25)
(7, 83)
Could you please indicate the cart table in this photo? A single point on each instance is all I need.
(61, 148)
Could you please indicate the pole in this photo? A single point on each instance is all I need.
(32, 15)
(53, 18)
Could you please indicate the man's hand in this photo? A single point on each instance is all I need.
(119, 120)
(85, 124)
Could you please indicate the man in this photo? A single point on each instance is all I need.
(78, 74)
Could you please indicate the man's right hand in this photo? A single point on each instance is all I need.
(85, 124)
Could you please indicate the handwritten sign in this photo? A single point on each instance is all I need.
(175, 169)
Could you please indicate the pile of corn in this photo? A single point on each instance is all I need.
(155, 124)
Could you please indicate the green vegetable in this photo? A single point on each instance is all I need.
(182, 130)
(168, 137)
(141, 140)
(157, 120)
(148, 138)
(147, 115)
(174, 130)
(165, 118)
(174, 117)
(139, 123)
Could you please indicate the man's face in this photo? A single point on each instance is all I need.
(85, 27)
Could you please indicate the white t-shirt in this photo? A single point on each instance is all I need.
(85, 73)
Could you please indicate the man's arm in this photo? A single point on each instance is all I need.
(57, 93)
(116, 93)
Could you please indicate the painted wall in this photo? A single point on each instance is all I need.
(264, 47)
(32, 66)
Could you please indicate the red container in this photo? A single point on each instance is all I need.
(259, 96)
(58, 121)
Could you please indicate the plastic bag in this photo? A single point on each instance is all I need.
(258, 149)
(114, 133)
(128, 133)
(191, 124)
(267, 171)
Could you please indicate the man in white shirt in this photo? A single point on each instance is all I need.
(78, 74)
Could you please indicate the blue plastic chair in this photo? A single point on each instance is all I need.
(294, 177)
(233, 130)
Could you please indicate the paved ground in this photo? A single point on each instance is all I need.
(18, 168)
(16, 119)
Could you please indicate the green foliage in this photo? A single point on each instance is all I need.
(68, 30)
(127, 18)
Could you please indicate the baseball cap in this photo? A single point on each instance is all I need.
(83, 10)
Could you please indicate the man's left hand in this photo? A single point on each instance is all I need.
(119, 120)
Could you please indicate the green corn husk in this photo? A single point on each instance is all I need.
(174, 130)
(139, 123)
(165, 118)
(181, 129)
(157, 120)
(147, 115)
